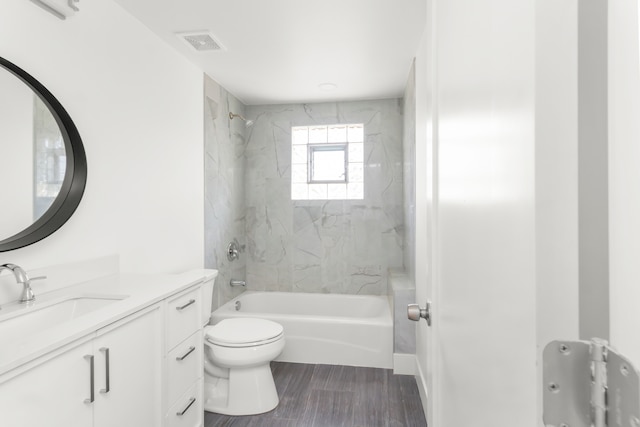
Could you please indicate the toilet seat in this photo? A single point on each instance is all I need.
(243, 332)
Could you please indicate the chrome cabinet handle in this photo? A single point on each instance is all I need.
(107, 376)
(184, 411)
(182, 307)
(91, 398)
(184, 356)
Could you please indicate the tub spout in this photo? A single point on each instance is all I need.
(233, 283)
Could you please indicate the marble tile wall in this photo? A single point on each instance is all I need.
(340, 246)
(402, 280)
(403, 291)
(225, 169)
(409, 157)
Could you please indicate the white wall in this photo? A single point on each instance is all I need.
(138, 107)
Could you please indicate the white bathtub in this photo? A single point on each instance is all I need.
(355, 330)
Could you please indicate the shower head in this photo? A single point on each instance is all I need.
(247, 123)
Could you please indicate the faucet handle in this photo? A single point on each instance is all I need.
(27, 293)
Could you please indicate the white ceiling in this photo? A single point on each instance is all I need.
(279, 51)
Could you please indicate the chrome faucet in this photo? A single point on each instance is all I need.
(23, 279)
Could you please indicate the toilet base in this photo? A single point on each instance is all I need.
(247, 391)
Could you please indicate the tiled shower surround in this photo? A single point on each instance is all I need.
(409, 148)
(224, 171)
(332, 246)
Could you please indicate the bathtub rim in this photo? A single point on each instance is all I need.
(385, 317)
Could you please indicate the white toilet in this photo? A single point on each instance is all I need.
(237, 375)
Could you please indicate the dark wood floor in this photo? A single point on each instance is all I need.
(335, 396)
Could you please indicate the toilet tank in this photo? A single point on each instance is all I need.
(207, 299)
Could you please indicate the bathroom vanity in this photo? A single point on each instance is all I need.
(123, 350)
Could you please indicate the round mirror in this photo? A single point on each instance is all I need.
(43, 167)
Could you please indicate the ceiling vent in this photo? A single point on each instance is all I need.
(201, 41)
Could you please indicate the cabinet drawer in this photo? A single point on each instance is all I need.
(188, 410)
(183, 317)
(184, 366)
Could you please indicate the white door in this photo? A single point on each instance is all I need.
(425, 170)
(476, 213)
(624, 177)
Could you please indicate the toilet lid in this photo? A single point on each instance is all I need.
(242, 331)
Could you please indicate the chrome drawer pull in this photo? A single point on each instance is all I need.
(184, 411)
(184, 356)
(107, 388)
(89, 357)
(182, 307)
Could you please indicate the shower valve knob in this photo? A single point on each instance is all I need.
(415, 312)
(234, 250)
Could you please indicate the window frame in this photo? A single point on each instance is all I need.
(315, 147)
(348, 138)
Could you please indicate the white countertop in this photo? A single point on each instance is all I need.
(142, 290)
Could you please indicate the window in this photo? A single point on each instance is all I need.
(327, 162)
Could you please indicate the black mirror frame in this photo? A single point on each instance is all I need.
(75, 178)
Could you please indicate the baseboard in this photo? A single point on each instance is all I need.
(421, 380)
(404, 364)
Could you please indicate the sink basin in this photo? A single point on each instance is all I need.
(20, 320)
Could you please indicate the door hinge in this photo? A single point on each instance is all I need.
(589, 384)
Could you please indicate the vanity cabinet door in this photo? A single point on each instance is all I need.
(52, 391)
(129, 371)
